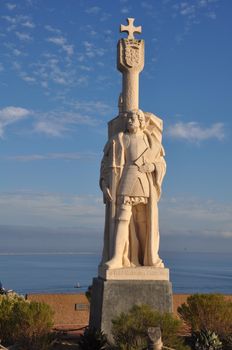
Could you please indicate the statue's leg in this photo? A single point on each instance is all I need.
(106, 246)
(121, 235)
(133, 242)
(141, 227)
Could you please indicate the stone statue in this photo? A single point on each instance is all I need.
(132, 171)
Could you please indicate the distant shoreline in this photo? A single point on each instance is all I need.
(99, 253)
(50, 253)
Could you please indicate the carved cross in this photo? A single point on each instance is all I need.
(130, 28)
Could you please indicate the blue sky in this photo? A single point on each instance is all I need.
(59, 87)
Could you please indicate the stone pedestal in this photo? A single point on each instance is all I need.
(112, 296)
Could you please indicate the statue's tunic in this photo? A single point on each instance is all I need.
(133, 183)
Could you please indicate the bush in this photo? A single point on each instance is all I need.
(206, 340)
(92, 339)
(28, 324)
(130, 330)
(207, 311)
(7, 321)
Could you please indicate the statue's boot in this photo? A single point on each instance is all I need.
(158, 263)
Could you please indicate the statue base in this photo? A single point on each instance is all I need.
(142, 273)
(113, 296)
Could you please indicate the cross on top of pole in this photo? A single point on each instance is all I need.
(130, 28)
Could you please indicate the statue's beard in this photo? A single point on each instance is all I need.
(132, 129)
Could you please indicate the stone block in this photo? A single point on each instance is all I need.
(111, 297)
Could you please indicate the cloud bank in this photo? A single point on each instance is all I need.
(186, 222)
(10, 115)
(194, 132)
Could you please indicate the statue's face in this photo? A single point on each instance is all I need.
(133, 123)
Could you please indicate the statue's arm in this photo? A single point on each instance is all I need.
(104, 173)
(160, 167)
(151, 155)
(160, 170)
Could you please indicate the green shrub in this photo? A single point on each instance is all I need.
(207, 311)
(130, 330)
(93, 339)
(28, 324)
(8, 323)
(206, 340)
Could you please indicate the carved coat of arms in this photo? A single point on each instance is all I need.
(132, 53)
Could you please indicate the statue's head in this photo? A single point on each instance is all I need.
(135, 120)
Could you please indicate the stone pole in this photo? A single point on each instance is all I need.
(130, 62)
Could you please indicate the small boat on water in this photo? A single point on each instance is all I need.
(77, 285)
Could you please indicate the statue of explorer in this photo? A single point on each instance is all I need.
(132, 172)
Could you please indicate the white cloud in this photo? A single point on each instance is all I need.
(23, 36)
(18, 68)
(201, 216)
(28, 24)
(51, 209)
(202, 3)
(105, 16)
(89, 30)
(85, 68)
(92, 51)
(16, 65)
(17, 52)
(125, 10)
(52, 156)
(10, 6)
(52, 70)
(1, 67)
(10, 19)
(27, 78)
(146, 5)
(211, 15)
(62, 42)
(83, 80)
(17, 22)
(56, 123)
(52, 29)
(59, 123)
(98, 107)
(187, 9)
(94, 10)
(50, 128)
(10, 115)
(194, 12)
(193, 132)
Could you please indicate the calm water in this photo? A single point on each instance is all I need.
(59, 273)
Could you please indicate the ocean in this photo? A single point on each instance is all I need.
(62, 272)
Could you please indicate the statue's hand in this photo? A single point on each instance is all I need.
(106, 192)
(147, 168)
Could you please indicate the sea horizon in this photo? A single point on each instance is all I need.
(44, 252)
(60, 271)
